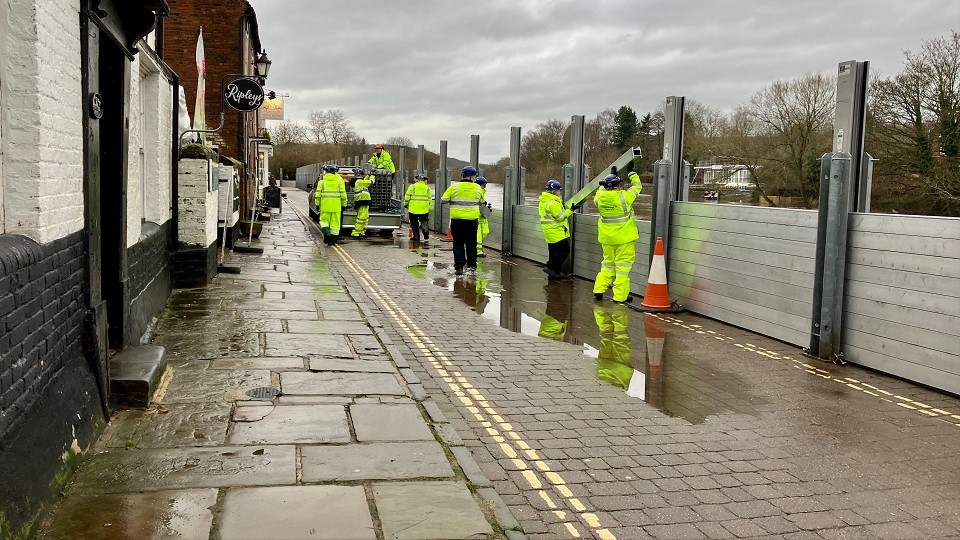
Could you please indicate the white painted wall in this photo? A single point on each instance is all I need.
(150, 144)
(41, 120)
(198, 205)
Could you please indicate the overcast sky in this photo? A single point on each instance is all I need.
(443, 70)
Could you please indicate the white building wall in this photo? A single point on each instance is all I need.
(134, 165)
(41, 120)
(198, 205)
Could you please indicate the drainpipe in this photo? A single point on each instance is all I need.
(175, 166)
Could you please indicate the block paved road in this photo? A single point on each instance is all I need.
(740, 436)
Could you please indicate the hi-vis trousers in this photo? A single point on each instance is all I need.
(615, 270)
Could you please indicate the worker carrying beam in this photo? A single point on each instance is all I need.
(617, 233)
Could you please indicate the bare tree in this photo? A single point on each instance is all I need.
(914, 130)
(399, 142)
(287, 132)
(316, 126)
(779, 136)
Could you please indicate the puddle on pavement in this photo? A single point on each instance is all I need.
(677, 372)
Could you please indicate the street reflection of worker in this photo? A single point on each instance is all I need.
(614, 360)
(472, 292)
(556, 317)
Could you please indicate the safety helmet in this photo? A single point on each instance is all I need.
(553, 185)
(331, 167)
(469, 171)
(420, 176)
(611, 181)
(358, 171)
(481, 181)
(378, 146)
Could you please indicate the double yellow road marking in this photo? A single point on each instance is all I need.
(535, 471)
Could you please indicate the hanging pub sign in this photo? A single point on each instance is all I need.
(243, 94)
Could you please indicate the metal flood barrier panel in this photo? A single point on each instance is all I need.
(902, 304)
(495, 238)
(527, 236)
(748, 266)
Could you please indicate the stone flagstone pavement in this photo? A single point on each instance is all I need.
(286, 412)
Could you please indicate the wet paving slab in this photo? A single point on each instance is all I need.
(340, 384)
(122, 471)
(292, 344)
(378, 422)
(135, 516)
(291, 424)
(327, 327)
(297, 512)
(376, 461)
(413, 510)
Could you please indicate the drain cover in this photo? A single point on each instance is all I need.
(263, 392)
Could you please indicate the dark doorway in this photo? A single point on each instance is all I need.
(112, 88)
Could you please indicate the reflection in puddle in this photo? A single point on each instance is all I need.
(629, 349)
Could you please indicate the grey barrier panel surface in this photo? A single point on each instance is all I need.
(586, 261)
(495, 238)
(747, 266)
(528, 239)
(902, 306)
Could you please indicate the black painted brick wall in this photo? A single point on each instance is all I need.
(48, 395)
(149, 279)
(194, 267)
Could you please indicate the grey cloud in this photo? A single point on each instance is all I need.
(433, 70)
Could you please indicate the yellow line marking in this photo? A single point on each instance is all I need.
(437, 361)
(572, 530)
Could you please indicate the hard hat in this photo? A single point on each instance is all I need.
(469, 171)
(358, 171)
(331, 167)
(481, 181)
(378, 146)
(421, 176)
(553, 185)
(611, 181)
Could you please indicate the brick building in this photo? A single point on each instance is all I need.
(87, 223)
(231, 42)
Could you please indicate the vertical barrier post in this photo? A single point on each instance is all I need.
(475, 151)
(400, 181)
(849, 126)
(573, 181)
(512, 190)
(669, 179)
(662, 195)
(834, 253)
(443, 181)
(420, 168)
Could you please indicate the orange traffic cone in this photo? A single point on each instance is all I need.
(657, 298)
(449, 237)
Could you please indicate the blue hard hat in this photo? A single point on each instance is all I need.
(611, 181)
(553, 185)
(481, 181)
(331, 167)
(421, 176)
(468, 171)
(358, 171)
